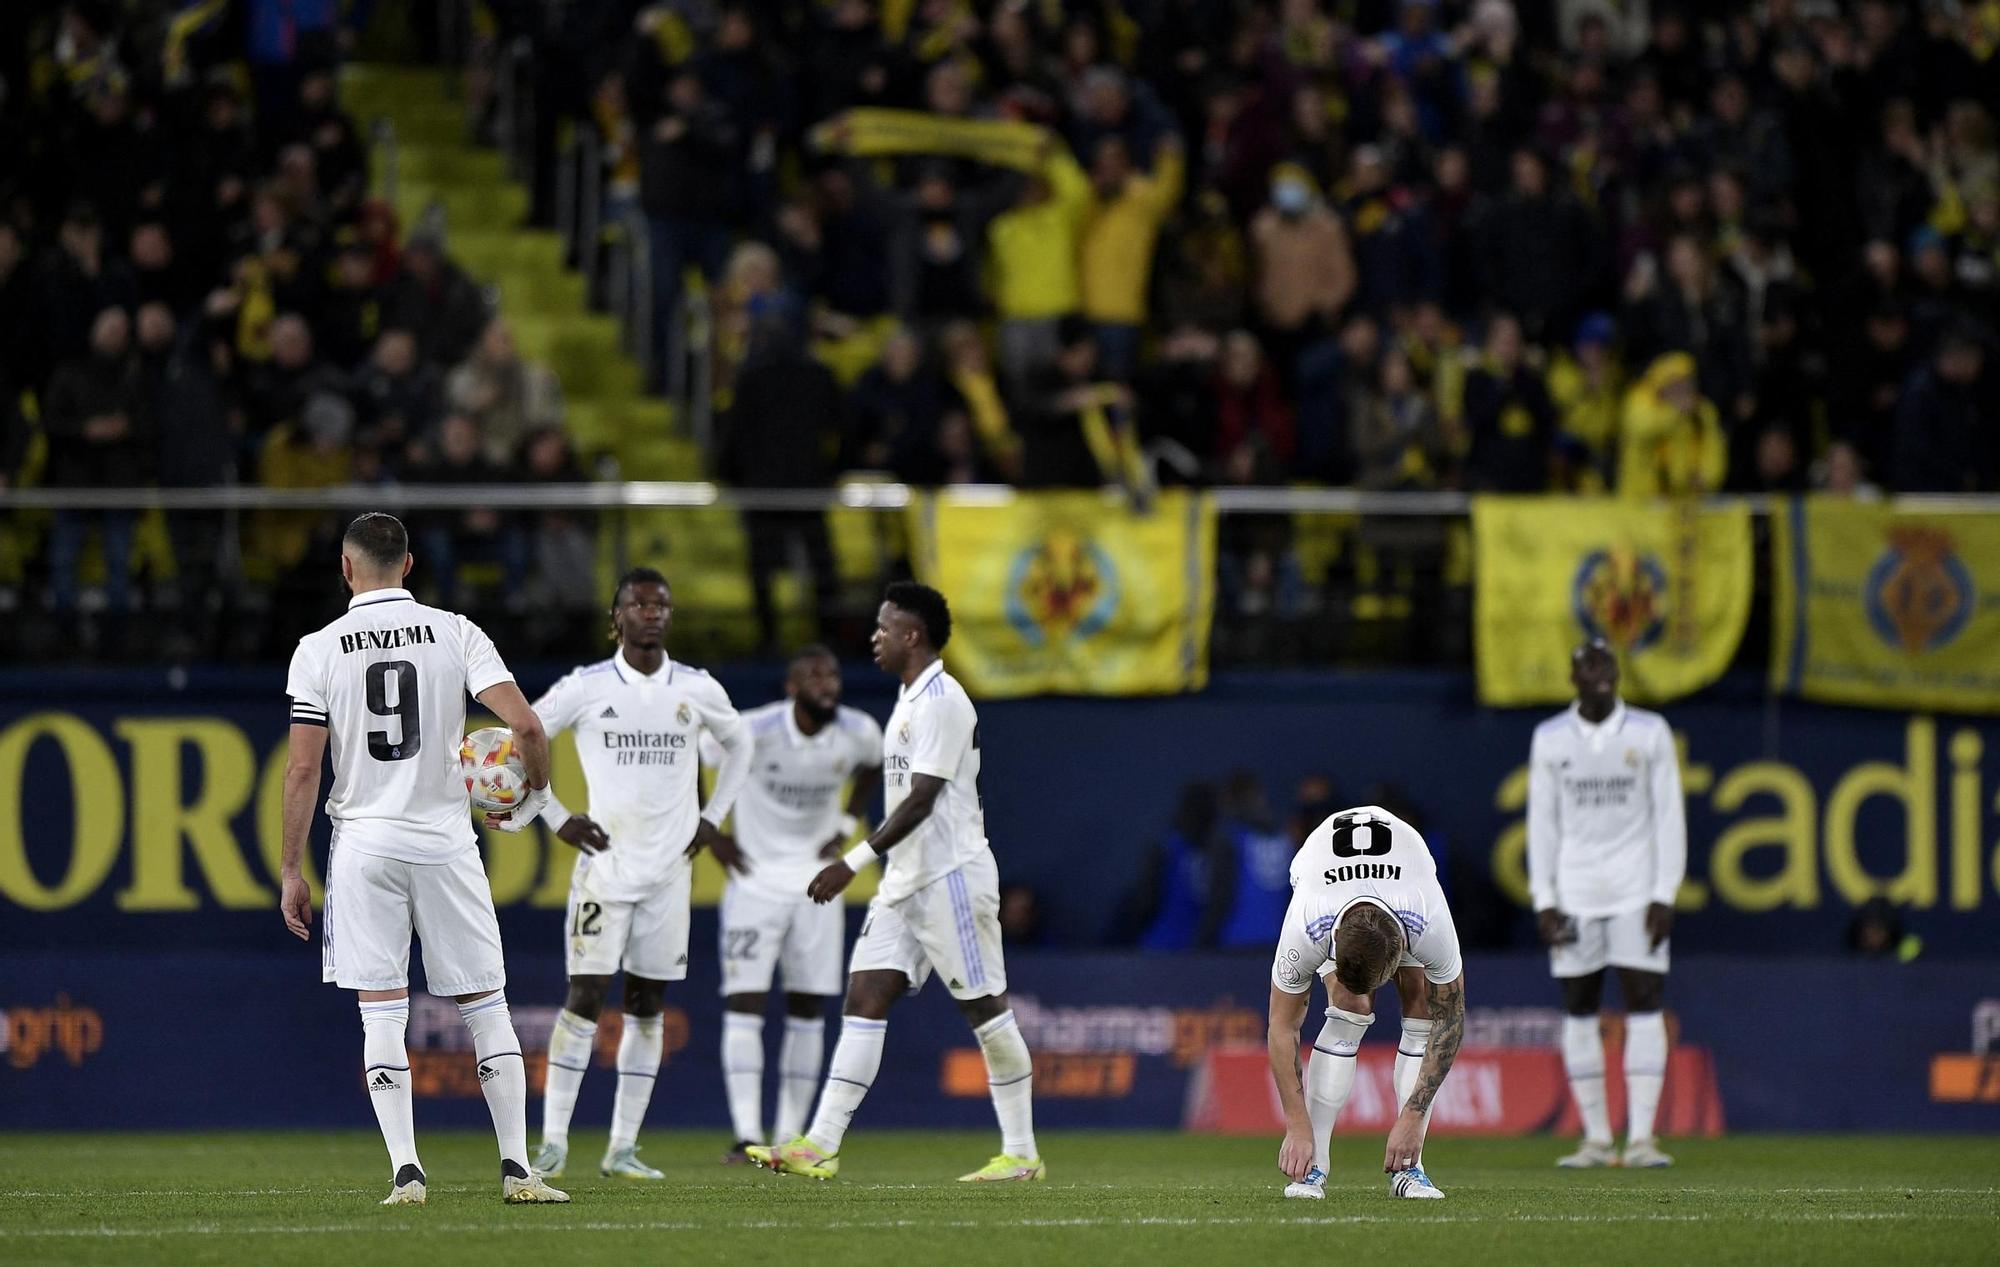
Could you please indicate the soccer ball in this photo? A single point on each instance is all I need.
(495, 779)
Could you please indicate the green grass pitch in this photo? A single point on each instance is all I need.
(302, 1199)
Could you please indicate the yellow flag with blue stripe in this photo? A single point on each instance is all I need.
(1071, 593)
(1666, 584)
(1887, 604)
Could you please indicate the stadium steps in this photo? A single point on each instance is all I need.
(609, 411)
(437, 163)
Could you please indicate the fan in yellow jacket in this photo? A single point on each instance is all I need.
(1670, 437)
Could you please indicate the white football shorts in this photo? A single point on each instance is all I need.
(763, 935)
(647, 938)
(950, 927)
(374, 904)
(1609, 941)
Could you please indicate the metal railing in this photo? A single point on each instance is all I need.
(860, 494)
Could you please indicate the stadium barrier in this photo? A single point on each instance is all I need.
(1491, 1091)
(93, 1039)
(140, 808)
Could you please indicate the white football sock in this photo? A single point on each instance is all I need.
(1583, 1060)
(502, 1075)
(743, 1074)
(639, 1051)
(570, 1045)
(1410, 1062)
(1645, 1073)
(387, 1073)
(1010, 1077)
(1330, 1075)
(798, 1073)
(856, 1057)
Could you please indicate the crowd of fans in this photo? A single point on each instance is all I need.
(1584, 245)
(1630, 246)
(196, 290)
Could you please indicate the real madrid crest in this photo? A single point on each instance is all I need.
(903, 735)
(683, 715)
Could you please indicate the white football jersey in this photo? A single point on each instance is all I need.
(388, 680)
(639, 738)
(791, 804)
(1607, 829)
(1364, 855)
(933, 731)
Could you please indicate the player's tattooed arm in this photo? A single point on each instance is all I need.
(1447, 1006)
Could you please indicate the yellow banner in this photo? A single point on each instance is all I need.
(1666, 584)
(1881, 604)
(1071, 593)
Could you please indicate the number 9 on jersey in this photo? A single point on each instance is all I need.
(495, 779)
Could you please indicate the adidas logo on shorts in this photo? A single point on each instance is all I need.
(608, 712)
(681, 962)
(953, 984)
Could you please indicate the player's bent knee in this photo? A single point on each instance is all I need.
(1644, 991)
(981, 1010)
(805, 1006)
(643, 996)
(1583, 996)
(586, 996)
(871, 994)
(748, 1004)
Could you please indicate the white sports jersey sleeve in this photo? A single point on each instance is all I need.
(720, 721)
(484, 668)
(1364, 855)
(305, 682)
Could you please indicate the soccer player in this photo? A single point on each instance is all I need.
(1607, 847)
(639, 718)
(938, 909)
(789, 823)
(1365, 905)
(385, 684)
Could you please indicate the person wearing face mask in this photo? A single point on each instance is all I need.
(1305, 270)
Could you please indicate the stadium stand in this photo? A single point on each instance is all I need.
(1395, 246)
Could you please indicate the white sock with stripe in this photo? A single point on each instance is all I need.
(383, 1026)
(1010, 1076)
(639, 1050)
(1583, 1060)
(798, 1073)
(743, 1074)
(1330, 1075)
(570, 1045)
(856, 1057)
(496, 1051)
(1409, 1063)
(1645, 1073)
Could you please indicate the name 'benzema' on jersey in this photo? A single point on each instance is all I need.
(638, 736)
